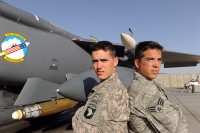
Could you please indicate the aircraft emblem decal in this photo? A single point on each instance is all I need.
(14, 48)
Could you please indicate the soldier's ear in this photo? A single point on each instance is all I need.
(136, 63)
(116, 61)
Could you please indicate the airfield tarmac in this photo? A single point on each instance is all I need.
(189, 103)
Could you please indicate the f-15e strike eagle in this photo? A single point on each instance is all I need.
(51, 67)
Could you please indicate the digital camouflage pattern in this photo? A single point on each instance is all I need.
(106, 111)
(151, 110)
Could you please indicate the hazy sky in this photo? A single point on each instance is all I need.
(173, 23)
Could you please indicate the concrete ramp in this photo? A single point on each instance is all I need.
(190, 104)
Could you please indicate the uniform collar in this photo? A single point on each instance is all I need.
(137, 75)
(113, 76)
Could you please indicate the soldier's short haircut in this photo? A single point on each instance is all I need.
(146, 45)
(105, 46)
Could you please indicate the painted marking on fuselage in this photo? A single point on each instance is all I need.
(14, 48)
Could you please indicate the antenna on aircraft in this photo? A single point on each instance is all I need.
(131, 32)
(93, 38)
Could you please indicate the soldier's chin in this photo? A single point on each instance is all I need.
(153, 77)
(101, 77)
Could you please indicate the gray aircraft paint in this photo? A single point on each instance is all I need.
(52, 54)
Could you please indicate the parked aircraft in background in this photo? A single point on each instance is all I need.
(39, 59)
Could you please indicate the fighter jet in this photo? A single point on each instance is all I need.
(50, 68)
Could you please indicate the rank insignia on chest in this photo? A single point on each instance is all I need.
(158, 107)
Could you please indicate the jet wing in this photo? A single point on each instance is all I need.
(176, 59)
(86, 44)
(170, 59)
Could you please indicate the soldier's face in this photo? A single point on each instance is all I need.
(149, 65)
(103, 64)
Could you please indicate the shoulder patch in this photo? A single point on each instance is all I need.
(158, 107)
(91, 112)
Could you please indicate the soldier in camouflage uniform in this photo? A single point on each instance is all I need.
(151, 110)
(107, 109)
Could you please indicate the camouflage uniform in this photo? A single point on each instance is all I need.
(106, 111)
(151, 110)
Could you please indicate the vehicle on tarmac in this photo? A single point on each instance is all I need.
(192, 82)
